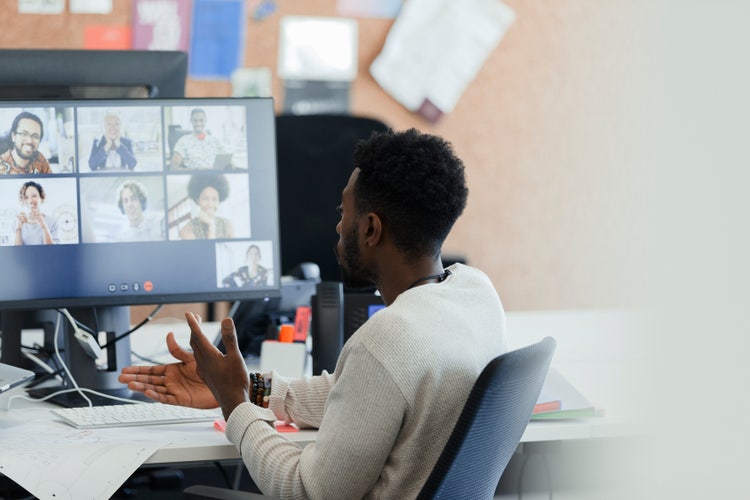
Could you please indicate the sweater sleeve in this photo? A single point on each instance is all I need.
(301, 401)
(362, 420)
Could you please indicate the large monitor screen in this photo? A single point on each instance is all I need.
(123, 202)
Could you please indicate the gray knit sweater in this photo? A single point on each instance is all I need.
(386, 412)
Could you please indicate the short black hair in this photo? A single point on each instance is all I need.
(29, 116)
(415, 183)
(199, 182)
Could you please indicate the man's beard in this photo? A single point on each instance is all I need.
(23, 156)
(354, 276)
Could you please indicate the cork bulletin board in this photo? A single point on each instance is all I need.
(544, 218)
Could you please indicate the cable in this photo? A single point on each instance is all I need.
(76, 323)
(79, 390)
(60, 359)
(136, 327)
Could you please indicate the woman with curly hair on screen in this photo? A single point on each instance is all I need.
(208, 192)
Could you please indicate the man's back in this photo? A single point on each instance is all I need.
(403, 378)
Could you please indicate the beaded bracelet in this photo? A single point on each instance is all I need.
(260, 389)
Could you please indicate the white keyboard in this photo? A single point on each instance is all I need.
(89, 417)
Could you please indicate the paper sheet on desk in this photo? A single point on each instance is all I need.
(60, 462)
(435, 49)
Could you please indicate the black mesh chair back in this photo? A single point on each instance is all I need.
(491, 425)
(315, 160)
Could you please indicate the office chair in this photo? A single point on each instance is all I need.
(315, 159)
(485, 437)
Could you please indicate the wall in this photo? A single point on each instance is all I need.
(551, 214)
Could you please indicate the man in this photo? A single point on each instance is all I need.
(112, 150)
(24, 157)
(199, 149)
(401, 380)
(141, 226)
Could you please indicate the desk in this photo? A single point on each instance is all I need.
(577, 357)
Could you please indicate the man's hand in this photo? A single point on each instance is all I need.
(175, 383)
(224, 374)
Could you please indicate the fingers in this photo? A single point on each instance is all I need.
(198, 341)
(176, 350)
(229, 336)
(157, 370)
(146, 381)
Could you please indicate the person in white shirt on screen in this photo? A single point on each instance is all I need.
(385, 413)
(141, 225)
(198, 149)
(34, 227)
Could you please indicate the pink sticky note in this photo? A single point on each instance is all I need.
(282, 427)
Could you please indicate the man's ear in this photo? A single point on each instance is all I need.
(374, 229)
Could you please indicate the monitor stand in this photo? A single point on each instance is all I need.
(114, 320)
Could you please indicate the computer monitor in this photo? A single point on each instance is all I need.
(87, 74)
(125, 223)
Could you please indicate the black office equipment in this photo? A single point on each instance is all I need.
(326, 326)
(336, 315)
(316, 158)
(87, 74)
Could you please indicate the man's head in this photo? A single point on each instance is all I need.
(27, 131)
(198, 120)
(414, 183)
(132, 201)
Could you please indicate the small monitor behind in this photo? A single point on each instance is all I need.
(336, 315)
(92, 74)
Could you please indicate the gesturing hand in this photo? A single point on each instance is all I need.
(175, 383)
(224, 374)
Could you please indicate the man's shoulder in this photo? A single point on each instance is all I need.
(40, 160)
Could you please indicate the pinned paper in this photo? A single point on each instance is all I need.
(41, 6)
(434, 50)
(161, 24)
(90, 6)
(386, 9)
(217, 38)
(107, 37)
(318, 48)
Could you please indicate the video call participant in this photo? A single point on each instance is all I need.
(34, 227)
(401, 380)
(199, 149)
(112, 150)
(251, 274)
(141, 225)
(24, 157)
(207, 191)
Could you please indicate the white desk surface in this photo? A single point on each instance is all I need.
(576, 359)
(200, 442)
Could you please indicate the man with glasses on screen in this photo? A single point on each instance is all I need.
(24, 157)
